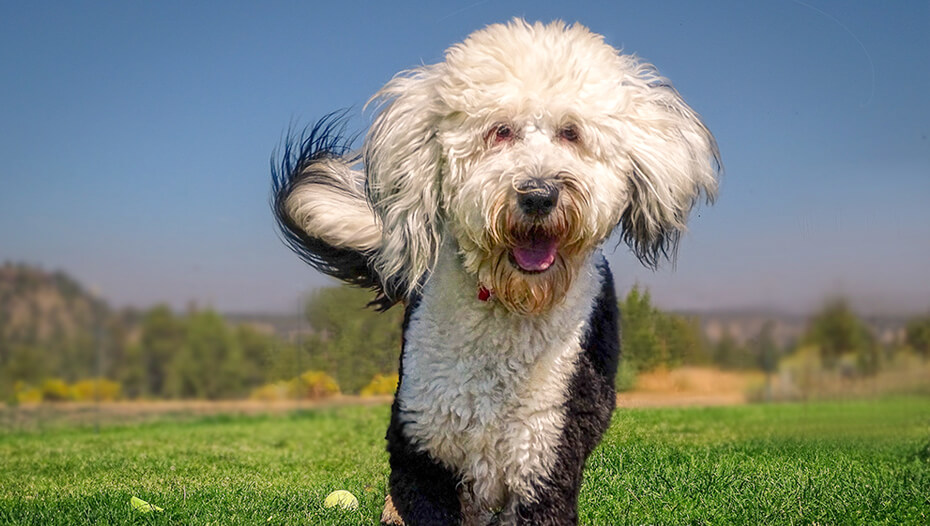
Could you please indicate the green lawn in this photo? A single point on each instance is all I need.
(824, 463)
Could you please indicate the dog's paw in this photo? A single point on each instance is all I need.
(389, 516)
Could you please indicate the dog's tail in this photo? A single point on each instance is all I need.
(319, 202)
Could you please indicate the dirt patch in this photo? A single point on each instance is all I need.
(689, 386)
(634, 399)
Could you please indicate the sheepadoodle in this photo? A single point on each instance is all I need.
(479, 199)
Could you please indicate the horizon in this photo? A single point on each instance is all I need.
(296, 311)
(136, 140)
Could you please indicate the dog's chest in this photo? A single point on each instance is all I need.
(483, 391)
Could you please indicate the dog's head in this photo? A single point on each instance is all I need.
(528, 146)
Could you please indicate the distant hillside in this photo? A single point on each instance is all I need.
(786, 328)
(48, 327)
(44, 308)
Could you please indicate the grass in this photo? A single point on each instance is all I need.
(865, 462)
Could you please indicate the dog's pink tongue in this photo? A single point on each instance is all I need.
(536, 256)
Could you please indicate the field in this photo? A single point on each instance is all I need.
(863, 462)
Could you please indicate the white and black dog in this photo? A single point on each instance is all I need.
(480, 198)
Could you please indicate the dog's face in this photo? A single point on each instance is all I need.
(523, 206)
(529, 146)
(530, 184)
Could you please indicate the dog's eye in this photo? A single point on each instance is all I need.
(570, 133)
(502, 133)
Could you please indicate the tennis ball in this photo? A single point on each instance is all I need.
(341, 498)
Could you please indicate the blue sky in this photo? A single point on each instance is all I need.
(135, 139)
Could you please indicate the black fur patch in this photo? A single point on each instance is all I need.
(292, 167)
(590, 403)
(424, 492)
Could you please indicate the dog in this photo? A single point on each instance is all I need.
(480, 199)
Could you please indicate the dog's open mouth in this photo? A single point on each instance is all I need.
(535, 253)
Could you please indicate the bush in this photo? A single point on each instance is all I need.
(801, 373)
(626, 376)
(26, 394)
(381, 384)
(310, 385)
(96, 389)
(315, 384)
(758, 390)
(55, 390)
(273, 392)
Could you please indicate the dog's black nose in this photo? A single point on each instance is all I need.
(537, 198)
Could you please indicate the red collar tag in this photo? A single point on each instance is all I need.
(483, 293)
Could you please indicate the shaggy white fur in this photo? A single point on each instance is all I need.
(430, 160)
(483, 390)
(334, 208)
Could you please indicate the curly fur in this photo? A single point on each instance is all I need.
(511, 339)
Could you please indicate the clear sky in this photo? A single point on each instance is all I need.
(135, 139)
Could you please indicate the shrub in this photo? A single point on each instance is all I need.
(758, 390)
(626, 376)
(272, 392)
(96, 389)
(26, 394)
(315, 384)
(801, 372)
(381, 384)
(309, 385)
(55, 390)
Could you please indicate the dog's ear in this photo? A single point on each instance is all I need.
(673, 162)
(403, 162)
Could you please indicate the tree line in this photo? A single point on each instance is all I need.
(159, 353)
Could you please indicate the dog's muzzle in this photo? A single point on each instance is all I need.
(536, 248)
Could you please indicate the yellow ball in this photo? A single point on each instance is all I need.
(341, 498)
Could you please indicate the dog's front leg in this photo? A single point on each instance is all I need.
(558, 505)
(422, 491)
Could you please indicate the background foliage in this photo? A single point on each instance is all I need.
(56, 337)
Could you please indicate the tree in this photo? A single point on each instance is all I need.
(837, 331)
(27, 364)
(640, 344)
(161, 338)
(652, 338)
(729, 354)
(917, 335)
(766, 353)
(351, 342)
(683, 339)
(258, 351)
(764, 348)
(209, 363)
(132, 375)
(114, 337)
